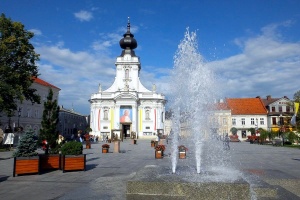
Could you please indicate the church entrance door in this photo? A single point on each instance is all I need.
(126, 131)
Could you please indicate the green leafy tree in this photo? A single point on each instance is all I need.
(297, 96)
(233, 130)
(48, 131)
(252, 131)
(27, 146)
(17, 66)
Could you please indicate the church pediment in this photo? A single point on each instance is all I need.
(126, 96)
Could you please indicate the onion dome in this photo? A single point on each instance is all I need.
(128, 42)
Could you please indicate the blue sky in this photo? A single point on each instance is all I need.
(253, 46)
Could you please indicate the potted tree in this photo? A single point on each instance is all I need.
(26, 159)
(48, 133)
(72, 156)
(182, 151)
(105, 148)
(234, 137)
(159, 151)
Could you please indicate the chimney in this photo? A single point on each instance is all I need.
(285, 97)
(269, 97)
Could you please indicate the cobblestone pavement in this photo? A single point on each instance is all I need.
(106, 175)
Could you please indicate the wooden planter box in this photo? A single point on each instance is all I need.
(159, 154)
(73, 162)
(105, 150)
(26, 165)
(182, 154)
(50, 162)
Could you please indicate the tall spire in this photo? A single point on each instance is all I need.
(128, 25)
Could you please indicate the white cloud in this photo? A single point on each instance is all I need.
(36, 31)
(267, 65)
(83, 15)
(76, 73)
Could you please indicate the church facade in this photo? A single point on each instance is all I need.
(127, 109)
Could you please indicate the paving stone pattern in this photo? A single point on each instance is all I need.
(274, 171)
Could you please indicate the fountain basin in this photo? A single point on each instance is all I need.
(157, 182)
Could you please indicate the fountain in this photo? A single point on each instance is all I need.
(193, 89)
(207, 172)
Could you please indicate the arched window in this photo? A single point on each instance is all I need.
(105, 115)
(127, 73)
(147, 114)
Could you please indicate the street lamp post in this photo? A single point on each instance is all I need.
(19, 115)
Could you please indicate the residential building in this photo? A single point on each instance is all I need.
(280, 112)
(28, 115)
(247, 113)
(70, 122)
(221, 121)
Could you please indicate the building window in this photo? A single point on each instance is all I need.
(28, 112)
(105, 115)
(224, 121)
(273, 109)
(35, 114)
(280, 108)
(147, 127)
(252, 121)
(262, 121)
(274, 121)
(243, 121)
(288, 109)
(233, 121)
(127, 74)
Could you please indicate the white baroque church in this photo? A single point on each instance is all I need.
(127, 108)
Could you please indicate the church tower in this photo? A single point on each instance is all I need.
(127, 108)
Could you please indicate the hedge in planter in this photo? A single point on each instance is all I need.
(26, 160)
(72, 157)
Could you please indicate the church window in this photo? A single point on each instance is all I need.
(147, 114)
(105, 127)
(147, 127)
(127, 73)
(105, 115)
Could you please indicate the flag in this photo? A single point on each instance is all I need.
(296, 105)
(293, 120)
